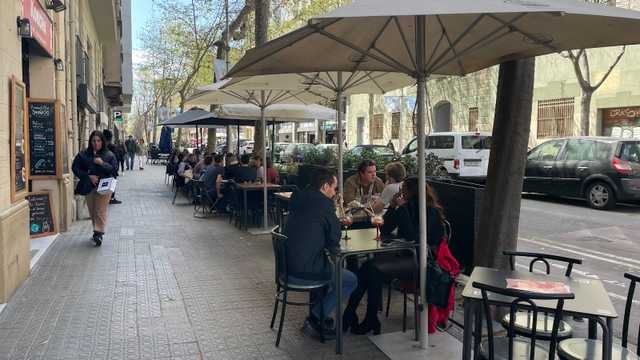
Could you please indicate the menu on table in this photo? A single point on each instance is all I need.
(538, 286)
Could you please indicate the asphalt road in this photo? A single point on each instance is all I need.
(607, 241)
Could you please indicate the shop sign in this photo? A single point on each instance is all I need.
(41, 25)
(307, 127)
(623, 113)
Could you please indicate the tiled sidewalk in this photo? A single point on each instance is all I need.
(163, 285)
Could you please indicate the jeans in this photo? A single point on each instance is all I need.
(328, 303)
(130, 158)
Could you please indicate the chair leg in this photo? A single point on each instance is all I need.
(275, 309)
(284, 308)
(404, 311)
(389, 299)
(416, 322)
(324, 293)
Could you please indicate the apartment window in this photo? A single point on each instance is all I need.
(555, 118)
(377, 123)
(395, 125)
(473, 119)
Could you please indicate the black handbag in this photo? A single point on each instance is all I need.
(439, 283)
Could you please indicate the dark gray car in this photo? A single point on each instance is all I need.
(602, 170)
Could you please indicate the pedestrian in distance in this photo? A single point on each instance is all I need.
(132, 148)
(91, 165)
(142, 154)
(108, 137)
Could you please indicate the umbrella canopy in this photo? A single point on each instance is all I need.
(460, 36)
(191, 118)
(445, 37)
(278, 112)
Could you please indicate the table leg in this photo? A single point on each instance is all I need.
(468, 329)
(609, 339)
(245, 212)
(593, 329)
(478, 317)
(338, 290)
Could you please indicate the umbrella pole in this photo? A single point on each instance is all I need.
(339, 105)
(273, 141)
(265, 137)
(422, 200)
(238, 143)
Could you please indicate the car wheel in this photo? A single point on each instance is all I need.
(600, 196)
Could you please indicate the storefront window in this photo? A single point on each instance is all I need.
(621, 122)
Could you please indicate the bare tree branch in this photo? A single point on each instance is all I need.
(606, 74)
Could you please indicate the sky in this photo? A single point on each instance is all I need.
(141, 11)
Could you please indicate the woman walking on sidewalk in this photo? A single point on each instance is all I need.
(91, 165)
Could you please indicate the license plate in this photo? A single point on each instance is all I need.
(473, 163)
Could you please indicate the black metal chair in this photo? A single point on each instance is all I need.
(524, 319)
(285, 284)
(203, 203)
(509, 347)
(587, 349)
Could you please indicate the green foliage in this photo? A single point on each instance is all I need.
(321, 157)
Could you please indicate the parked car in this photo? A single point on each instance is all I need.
(386, 152)
(246, 147)
(296, 152)
(465, 154)
(603, 170)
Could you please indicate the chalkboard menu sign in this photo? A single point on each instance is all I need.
(41, 222)
(19, 154)
(43, 161)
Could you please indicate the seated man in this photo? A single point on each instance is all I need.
(245, 173)
(212, 176)
(231, 167)
(312, 228)
(363, 185)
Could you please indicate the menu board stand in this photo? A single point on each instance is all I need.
(41, 218)
(44, 139)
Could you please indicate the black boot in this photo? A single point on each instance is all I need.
(97, 238)
(349, 319)
(369, 324)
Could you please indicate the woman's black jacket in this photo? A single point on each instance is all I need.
(83, 166)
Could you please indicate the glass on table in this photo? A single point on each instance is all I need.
(377, 221)
(346, 222)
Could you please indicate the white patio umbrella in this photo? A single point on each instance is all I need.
(334, 85)
(264, 101)
(447, 37)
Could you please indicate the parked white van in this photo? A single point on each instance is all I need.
(464, 154)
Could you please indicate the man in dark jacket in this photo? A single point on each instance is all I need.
(312, 228)
(132, 149)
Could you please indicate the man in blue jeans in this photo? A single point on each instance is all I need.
(313, 228)
(132, 148)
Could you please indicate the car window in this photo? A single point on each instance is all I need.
(383, 151)
(546, 152)
(413, 146)
(579, 150)
(440, 142)
(476, 142)
(630, 151)
(357, 150)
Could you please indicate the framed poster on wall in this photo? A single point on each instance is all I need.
(19, 140)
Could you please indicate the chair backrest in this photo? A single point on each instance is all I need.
(543, 258)
(522, 299)
(627, 311)
(279, 242)
(448, 230)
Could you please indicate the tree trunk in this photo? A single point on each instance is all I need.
(500, 208)
(262, 36)
(585, 111)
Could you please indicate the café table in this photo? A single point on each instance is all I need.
(247, 187)
(361, 242)
(591, 301)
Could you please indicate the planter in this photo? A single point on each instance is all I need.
(461, 201)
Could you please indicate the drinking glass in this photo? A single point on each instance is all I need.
(346, 221)
(377, 221)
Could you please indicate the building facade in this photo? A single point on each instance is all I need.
(64, 68)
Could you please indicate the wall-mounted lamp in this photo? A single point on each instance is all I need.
(56, 5)
(59, 64)
(24, 27)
